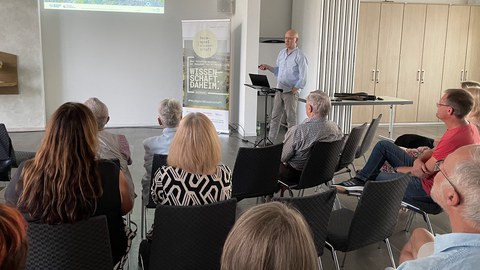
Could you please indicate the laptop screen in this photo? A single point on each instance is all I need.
(259, 80)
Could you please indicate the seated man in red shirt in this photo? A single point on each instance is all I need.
(452, 109)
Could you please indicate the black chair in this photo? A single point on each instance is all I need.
(158, 161)
(368, 139)
(350, 149)
(373, 220)
(190, 237)
(82, 245)
(255, 172)
(319, 168)
(9, 158)
(316, 210)
(422, 208)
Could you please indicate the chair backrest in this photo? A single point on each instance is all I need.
(256, 171)
(158, 161)
(321, 164)
(377, 211)
(316, 210)
(191, 237)
(7, 155)
(351, 146)
(82, 245)
(368, 138)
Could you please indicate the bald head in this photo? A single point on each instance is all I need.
(462, 194)
(291, 39)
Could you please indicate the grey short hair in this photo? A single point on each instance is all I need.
(320, 103)
(466, 176)
(100, 111)
(170, 112)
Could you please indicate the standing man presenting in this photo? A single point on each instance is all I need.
(291, 73)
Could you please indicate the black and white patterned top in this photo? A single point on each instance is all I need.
(174, 186)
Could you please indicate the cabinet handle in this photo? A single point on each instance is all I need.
(422, 76)
(418, 75)
(461, 75)
(378, 76)
(373, 75)
(466, 76)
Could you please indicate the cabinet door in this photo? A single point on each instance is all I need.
(456, 46)
(432, 63)
(473, 49)
(389, 37)
(410, 60)
(366, 57)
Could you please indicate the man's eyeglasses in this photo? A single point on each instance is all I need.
(437, 168)
(444, 105)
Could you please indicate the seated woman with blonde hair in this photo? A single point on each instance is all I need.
(66, 183)
(270, 236)
(194, 175)
(13, 239)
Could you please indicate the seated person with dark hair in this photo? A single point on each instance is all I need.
(300, 138)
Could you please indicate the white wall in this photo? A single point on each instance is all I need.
(20, 35)
(276, 18)
(130, 61)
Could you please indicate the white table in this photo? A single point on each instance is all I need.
(384, 100)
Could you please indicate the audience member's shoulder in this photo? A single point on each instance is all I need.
(150, 140)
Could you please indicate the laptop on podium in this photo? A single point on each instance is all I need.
(260, 82)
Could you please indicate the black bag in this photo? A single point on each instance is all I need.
(354, 96)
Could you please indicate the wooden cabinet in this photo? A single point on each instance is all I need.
(414, 51)
(472, 65)
(462, 52)
(421, 61)
(456, 46)
(378, 51)
(366, 58)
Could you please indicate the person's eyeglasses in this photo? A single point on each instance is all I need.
(437, 168)
(444, 105)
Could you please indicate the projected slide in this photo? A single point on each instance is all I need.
(139, 6)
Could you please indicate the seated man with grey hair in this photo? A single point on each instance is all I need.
(456, 189)
(111, 146)
(300, 138)
(169, 116)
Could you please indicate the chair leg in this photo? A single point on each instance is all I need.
(301, 192)
(320, 265)
(429, 224)
(334, 255)
(336, 204)
(390, 253)
(408, 225)
(142, 222)
(354, 168)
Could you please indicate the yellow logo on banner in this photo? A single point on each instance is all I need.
(205, 44)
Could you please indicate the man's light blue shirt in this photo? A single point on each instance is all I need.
(451, 251)
(155, 145)
(291, 70)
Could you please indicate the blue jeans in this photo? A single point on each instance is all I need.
(397, 157)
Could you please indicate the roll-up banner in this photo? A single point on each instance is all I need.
(206, 69)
